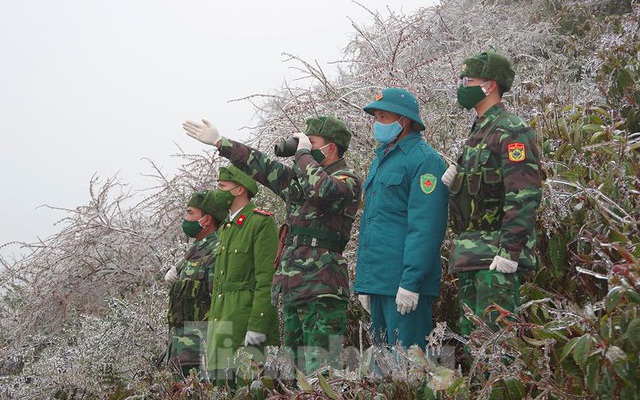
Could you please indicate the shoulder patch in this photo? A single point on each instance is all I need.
(428, 183)
(517, 152)
(262, 212)
(344, 174)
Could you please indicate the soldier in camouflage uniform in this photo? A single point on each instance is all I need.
(495, 192)
(190, 292)
(322, 197)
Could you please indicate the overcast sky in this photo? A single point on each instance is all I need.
(92, 87)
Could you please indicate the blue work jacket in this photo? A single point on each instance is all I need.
(404, 220)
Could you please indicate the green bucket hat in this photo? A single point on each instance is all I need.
(217, 204)
(489, 65)
(397, 101)
(330, 128)
(206, 201)
(233, 174)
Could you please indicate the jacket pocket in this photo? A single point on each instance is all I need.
(492, 176)
(475, 249)
(457, 183)
(391, 190)
(240, 261)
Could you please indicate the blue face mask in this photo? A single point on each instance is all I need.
(385, 133)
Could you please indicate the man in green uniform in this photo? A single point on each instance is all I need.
(495, 190)
(190, 292)
(322, 196)
(402, 226)
(241, 312)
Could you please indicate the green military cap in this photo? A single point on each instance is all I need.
(233, 174)
(398, 101)
(217, 204)
(330, 128)
(196, 200)
(489, 65)
(205, 202)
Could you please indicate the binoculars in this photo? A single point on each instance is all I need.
(286, 147)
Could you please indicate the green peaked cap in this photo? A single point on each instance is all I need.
(233, 174)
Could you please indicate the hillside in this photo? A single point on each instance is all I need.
(83, 314)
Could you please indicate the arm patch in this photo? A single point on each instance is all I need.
(517, 152)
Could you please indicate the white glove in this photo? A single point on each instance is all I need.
(406, 301)
(171, 275)
(303, 141)
(365, 301)
(449, 175)
(254, 338)
(206, 133)
(503, 265)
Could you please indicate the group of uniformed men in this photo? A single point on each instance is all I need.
(226, 290)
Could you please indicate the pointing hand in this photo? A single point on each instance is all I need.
(205, 132)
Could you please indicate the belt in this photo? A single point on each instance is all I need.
(304, 240)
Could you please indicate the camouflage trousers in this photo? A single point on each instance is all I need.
(314, 331)
(483, 288)
(186, 350)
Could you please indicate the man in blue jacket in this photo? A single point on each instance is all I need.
(403, 224)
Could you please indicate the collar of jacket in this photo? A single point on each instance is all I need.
(202, 242)
(488, 117)
(241, 217)
(336, 166)
(404, 144)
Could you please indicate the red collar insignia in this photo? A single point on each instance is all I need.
(240, 220)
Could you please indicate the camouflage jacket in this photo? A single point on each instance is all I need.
(496, 193)
(190, 295)
(320, 203)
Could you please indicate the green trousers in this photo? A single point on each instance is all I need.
(314, 332)
(481, 289)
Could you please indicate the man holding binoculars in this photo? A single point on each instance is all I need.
(322, 196)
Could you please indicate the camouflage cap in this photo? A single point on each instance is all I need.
(489, 65)
(330, 128)
(216, 204)
(233, 174)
